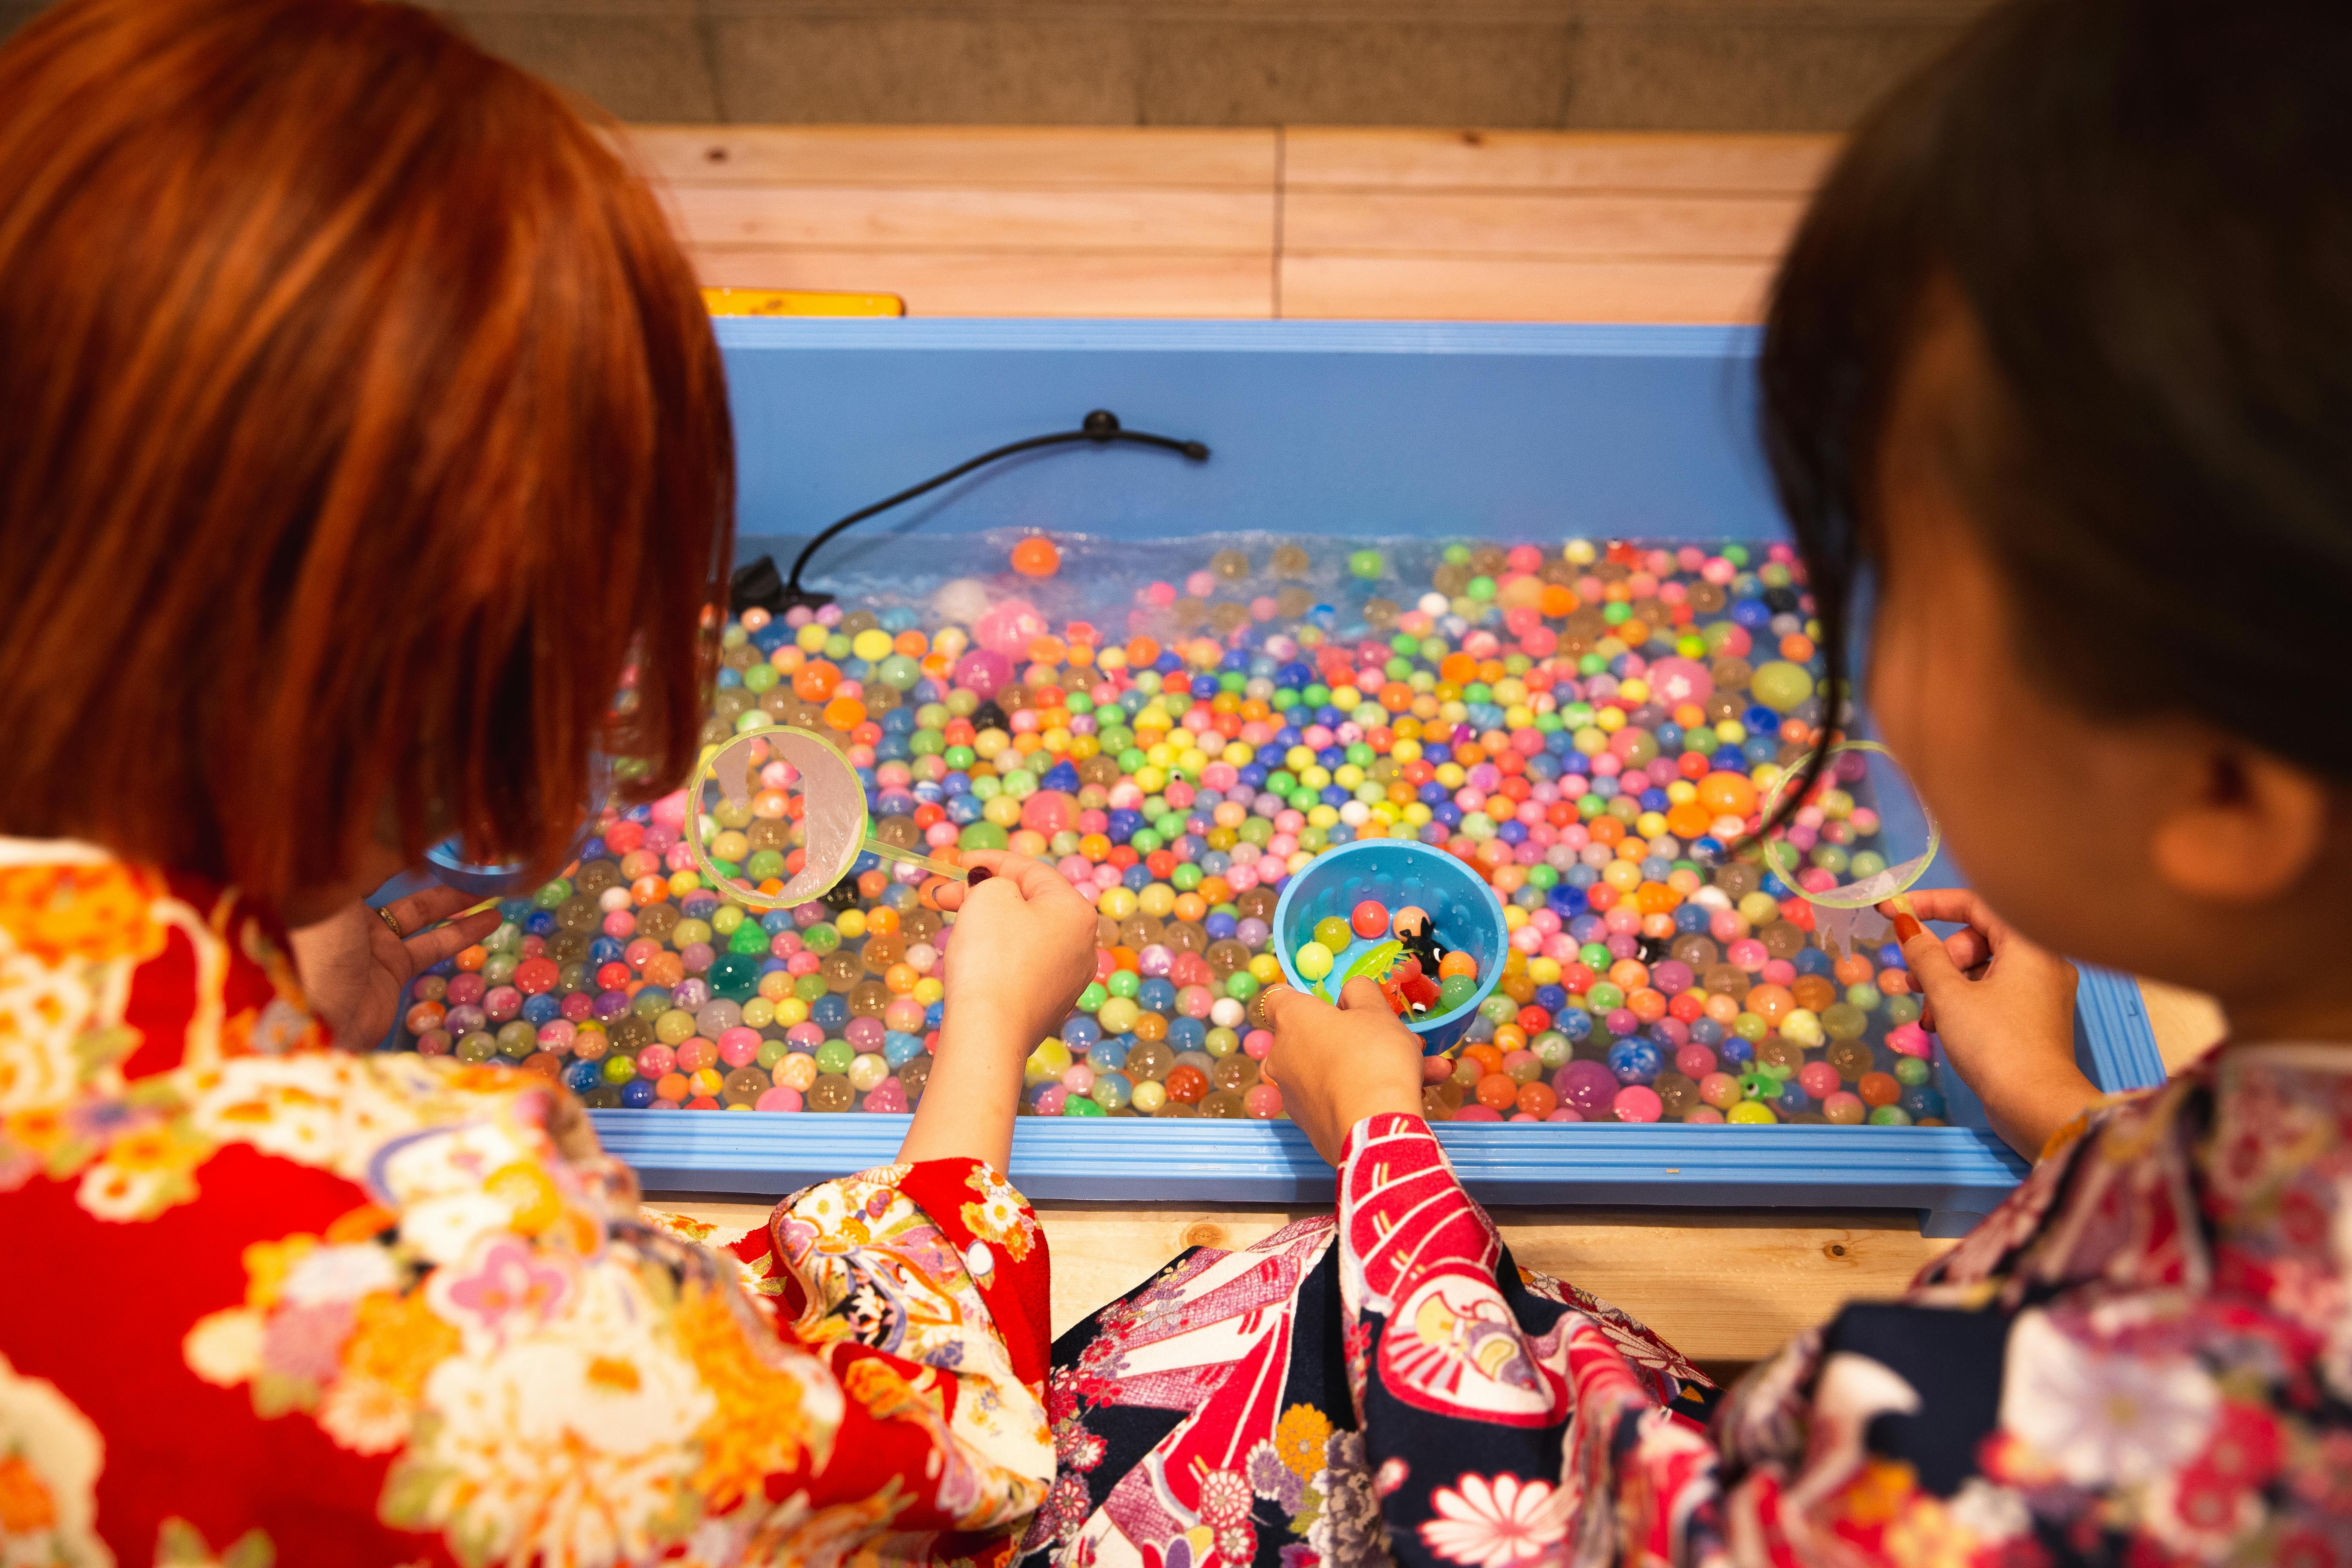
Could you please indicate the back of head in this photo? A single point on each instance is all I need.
(364, 431)
(2145, 206)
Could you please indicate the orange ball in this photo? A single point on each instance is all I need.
(844, 713)
(1454, 964)
(1770, 1002)
(1687, 819)
(1538, 1100)
(1036, 556)
(1728, 794)
(1499, 1091)
(815, 681)
(1878, 1088)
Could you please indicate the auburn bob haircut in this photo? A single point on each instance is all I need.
(364, 437)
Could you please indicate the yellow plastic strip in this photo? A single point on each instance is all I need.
(799, 302)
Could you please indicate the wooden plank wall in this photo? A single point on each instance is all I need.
(1116, 221)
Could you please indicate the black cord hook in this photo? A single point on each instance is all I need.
(758, 583)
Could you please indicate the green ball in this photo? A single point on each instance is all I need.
(1367, 565)
(1080, 1105)
(981, 835)
(1454, 990)
(1780, 685)
(1890, 1116)
(835, 1055)
(736, 976)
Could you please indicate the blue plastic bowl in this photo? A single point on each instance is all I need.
(446, 860)
(448, 865)
(1463, 911)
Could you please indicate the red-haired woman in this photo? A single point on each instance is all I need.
(362, 426)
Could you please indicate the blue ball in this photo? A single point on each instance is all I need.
(1636, 1061)
(638, 1093)
(1922, 1100)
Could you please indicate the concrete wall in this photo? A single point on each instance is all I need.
(1755, 65)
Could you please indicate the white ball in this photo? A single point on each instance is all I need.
(963, 600)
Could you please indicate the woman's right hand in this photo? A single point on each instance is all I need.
(1023, 949)
(1336, 1066)
(2004, 1011)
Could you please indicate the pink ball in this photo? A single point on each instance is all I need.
(1565, 1113)
(983, 672)
(1474, 1112)
(1703, 1114)
(1637, 1102)
(1007, 629)
(739, 1046)
(886, 1097)
(779, 1098)
(1818, 1079)
(1048, 811)
(1695, 1061)
(1910, 1040)
(1674, 681)
(1258, 1044)
(1263, 1101)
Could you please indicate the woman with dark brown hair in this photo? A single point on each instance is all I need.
(364, 437)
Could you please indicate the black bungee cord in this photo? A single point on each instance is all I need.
(758, 584)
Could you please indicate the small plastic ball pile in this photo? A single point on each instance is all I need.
(1591, 727)
(1418, 979)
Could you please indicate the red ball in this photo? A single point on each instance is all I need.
(1370, 920)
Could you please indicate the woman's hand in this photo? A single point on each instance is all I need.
(354, 969)
(2004, 1010)
(1336, 1066)
(1023, 949)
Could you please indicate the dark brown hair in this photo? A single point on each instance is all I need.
(362, 427)
(2145, 206)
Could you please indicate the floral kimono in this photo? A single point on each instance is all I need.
(2144, 1357)
(265, 1300)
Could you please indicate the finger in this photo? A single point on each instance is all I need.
(1034, 879)
(1958, 904)
(418, 910)
(428, 948)
(1287, 1007)
(1360, 994)
(1932, 968)
(946, 893)
(1971, 948)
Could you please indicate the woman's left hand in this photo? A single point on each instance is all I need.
(355, 968)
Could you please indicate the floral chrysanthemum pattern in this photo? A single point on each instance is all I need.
(536, 1373)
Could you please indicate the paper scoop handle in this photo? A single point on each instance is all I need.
(909, 857)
